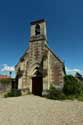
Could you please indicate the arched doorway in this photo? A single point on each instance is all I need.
(37, 84)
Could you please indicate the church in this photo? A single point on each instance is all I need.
(39, 67)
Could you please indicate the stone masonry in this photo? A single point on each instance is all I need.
(39, 67)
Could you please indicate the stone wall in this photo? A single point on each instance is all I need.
(5, 87)
(55, 70)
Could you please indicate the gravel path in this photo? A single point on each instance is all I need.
(32, 110)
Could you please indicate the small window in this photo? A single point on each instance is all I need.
(37, 29)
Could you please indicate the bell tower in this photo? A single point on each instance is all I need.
(38, 30)
(38, 40)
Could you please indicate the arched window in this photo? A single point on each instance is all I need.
(37, 29)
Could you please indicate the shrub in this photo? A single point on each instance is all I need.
(72, 90)
(54, 93)
(13, 93)
(71, 86)
(80, 98)
(5, 80)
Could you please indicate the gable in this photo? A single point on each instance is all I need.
(22, 58)
(56, 56)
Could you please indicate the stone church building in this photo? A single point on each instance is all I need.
(39, 67)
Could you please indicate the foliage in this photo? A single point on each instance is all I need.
(71, 86)
(53, 93)
(13, 93)
(80, 97)
(5, 80)
(72, 90)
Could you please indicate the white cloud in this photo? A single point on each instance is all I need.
(8, 68)
(73, 71)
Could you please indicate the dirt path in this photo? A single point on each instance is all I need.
(32, 110)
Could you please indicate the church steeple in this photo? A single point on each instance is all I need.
(38, 41)
(38, 30)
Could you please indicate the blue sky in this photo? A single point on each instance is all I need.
(64, 29)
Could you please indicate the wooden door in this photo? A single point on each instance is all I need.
(37, 86)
